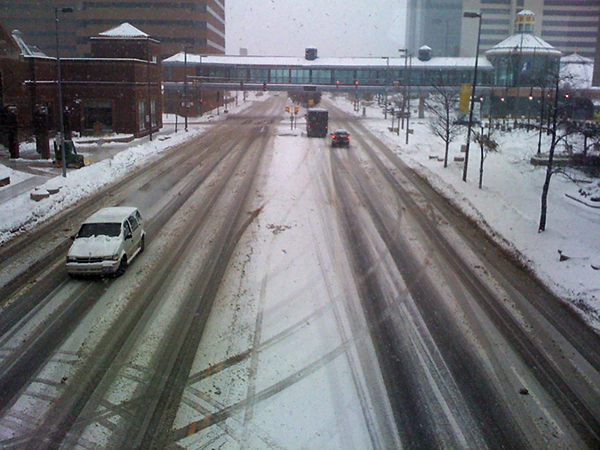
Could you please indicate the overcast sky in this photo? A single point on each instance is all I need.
(335, 27)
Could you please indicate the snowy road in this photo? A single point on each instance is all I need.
(291, 296)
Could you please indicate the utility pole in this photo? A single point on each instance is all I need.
(472, 15)
(60, 99)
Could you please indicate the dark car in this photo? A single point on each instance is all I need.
(340, 138)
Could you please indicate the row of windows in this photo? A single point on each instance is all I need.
(159, 5)
(572, 3)
(496, 31)
(576, 45)
(496, 22)
(570, 14)
(494, 11)
(561, 24)
(15, 6)
(570, 34)
(345, 77)
(141, 23)
(82, 40)
(215, 15)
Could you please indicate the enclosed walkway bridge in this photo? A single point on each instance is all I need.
(267, 73)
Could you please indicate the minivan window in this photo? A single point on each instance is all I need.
(99, 229)
(133, 222)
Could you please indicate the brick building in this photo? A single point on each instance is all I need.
(198, 25)
(117, 90)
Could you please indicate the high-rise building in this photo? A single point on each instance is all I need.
(199, 25)
(569, 25)
(434, 23)
(596, 79)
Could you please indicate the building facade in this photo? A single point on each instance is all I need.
(198, 25)
(117, 90)
(434, 23)
(596, 78)
(571, 26)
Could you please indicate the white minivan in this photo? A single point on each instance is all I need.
(107, 242)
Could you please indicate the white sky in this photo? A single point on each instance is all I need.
(335, 27)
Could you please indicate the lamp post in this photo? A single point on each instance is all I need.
(472, 15)
(405, 77)
(408, 56)
(387, 82)
(200, 99)
(149, 87)
(185, 98)
(60, 103)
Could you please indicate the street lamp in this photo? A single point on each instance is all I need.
(200, 99)
(149, 86)
(60, 103)
(409, 57)
(405, 101)
(472, 15)
(185, 98)
(387, 82)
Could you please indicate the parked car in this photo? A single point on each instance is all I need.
(340, 138)
(107, 242)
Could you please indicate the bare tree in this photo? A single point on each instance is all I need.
(442, 104)
(559, 132)
(487, 144)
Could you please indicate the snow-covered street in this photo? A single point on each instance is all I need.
(297, 296)
(508, 206)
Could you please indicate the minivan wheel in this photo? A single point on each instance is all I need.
(143, 243)
(122, 266)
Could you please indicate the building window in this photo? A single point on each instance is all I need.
(141, 116)
(97, 116)
(153, 112)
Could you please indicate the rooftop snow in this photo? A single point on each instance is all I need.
(123, 30)
(292, 61)
(577, 71)
(524, 43)
(26, 50)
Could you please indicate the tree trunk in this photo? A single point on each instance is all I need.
(446, 152)
(549, 169)
(545, 189)
(481, 168)
(447, 124)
